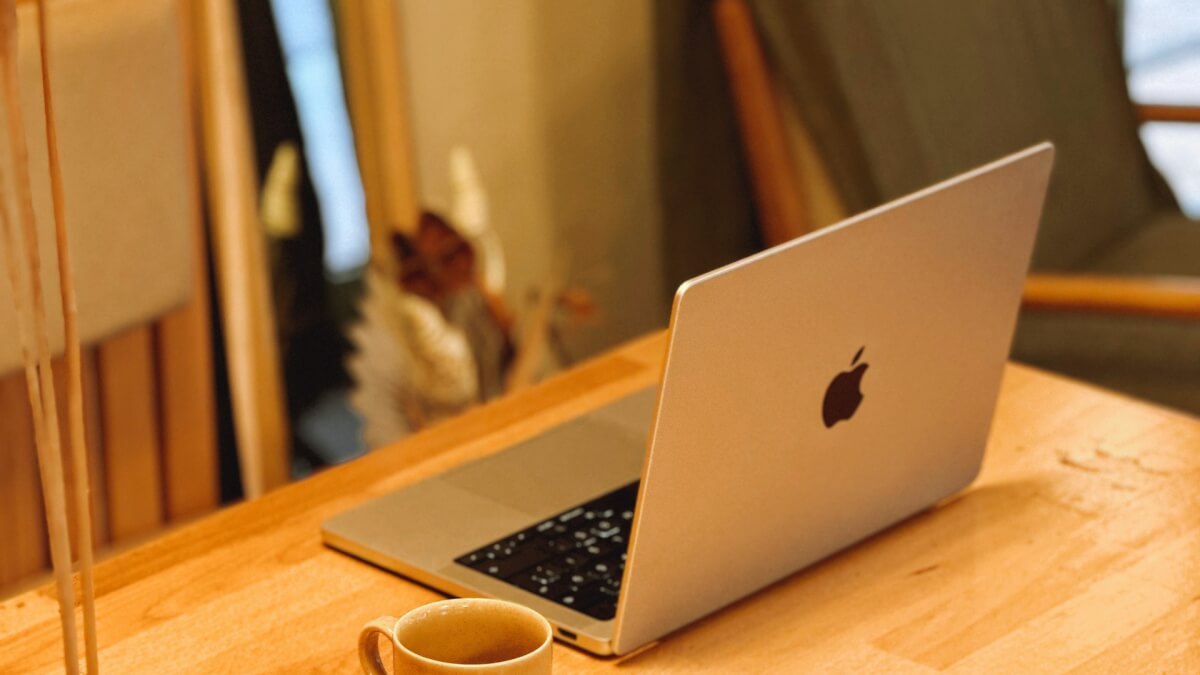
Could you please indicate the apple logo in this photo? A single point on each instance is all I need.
(843, 395)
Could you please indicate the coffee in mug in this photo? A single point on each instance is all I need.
(476, 635)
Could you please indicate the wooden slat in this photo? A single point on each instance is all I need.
(355, 62)
(133, 469)
(185, 361)
(1149, 112)
(390, 108)
(1169, 297)
(22, 525)
(93, 420)
(765, 143)
(377, 93)
(60, 393)
(188, 411)
(251, 342)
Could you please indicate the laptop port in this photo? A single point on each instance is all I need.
(567, 634)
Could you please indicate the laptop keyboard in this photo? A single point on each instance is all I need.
(575, 558)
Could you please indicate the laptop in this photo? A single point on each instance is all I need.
(811, 395)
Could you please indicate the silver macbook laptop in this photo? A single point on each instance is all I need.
(812, 395)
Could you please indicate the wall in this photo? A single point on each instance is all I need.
(555, 101)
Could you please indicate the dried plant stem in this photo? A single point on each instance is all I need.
(39, 380)
(66, 285)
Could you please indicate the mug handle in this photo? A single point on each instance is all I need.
(368, 644)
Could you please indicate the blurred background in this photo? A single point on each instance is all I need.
(559, 105)
(403, 209)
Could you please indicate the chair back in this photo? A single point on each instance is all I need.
(132, 197)
(900, 94)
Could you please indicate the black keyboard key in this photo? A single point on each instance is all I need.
(571, 515)
(546, 573)
(503, 550)
(479, 559)
(538, 586)
(606, 532)
(604, 610)
(506, 567)
(525, 581)
(604, 569)
(470, 559)
(560, 545)
(574, 559)
(600, 548)
(583, 599)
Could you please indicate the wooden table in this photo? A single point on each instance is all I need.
(1077, 549)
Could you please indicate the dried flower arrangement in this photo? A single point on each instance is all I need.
(439, 336)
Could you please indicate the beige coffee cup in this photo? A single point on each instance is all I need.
(466, 635)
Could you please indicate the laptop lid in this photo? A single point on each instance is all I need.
(764, 455)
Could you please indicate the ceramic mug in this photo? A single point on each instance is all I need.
(466, 635)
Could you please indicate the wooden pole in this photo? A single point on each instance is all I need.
(776, 180)
(256, 380)
(66, 285)
(39, 380)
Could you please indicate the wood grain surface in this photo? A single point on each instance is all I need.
(1075, 551)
